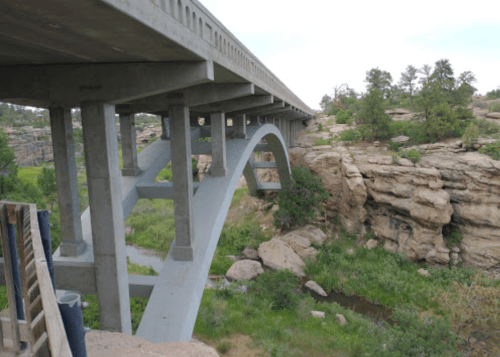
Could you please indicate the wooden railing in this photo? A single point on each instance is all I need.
(42, 328)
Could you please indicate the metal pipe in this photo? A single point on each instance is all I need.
(44, 225)
(71, 312)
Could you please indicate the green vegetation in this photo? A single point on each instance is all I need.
(343, 116)
(319, 141)
(372, 116)
(471, 134)
(494, 107)
(299, 201)
(494, 94)
(493, 150)
(18, 116)
(412, 154)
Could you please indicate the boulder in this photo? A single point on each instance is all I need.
(300, 245)
(400, 139)
(250, 253)
(244, 270)
(372, 243)
(493, 115)
(424, 272)
(276, 254)
(340, 319)
(318, 314)
(314, 234)
(312, 285)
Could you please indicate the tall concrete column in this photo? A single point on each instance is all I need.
(240, 126)
(106, 214)
(182, 177)
(207, 120)
(219, 167)
(165, 127)
(63, 145)
(129, 148)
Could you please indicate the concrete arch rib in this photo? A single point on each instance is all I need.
(173, 306)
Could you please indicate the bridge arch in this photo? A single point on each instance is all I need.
(180, 286)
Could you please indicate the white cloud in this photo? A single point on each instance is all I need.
(313, 45)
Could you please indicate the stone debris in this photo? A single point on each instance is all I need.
(316, 288)
(341, 319)
(276, 254)
(372, 243)
(250, 253)
(424, 272)
(318, 314)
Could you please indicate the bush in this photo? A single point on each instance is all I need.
(454, 239)
(394, 145)
(343, 116)
(320, 127)
(280, 287)
(470, 136)
(486, 127)
(299, 201)
(494, 94)
(413, 155)
(494, 107)
(350, 135)
(493, 150)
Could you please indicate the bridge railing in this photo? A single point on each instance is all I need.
(194, 16)
(42, 329)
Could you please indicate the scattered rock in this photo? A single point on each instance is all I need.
(233, 258)
(372, 243)
(274, 208)
(250, 253)
(424, 272)
(397, 111)
(341, 319)
(493, 115)
(301, 245)
(276, 254)
(129, 230)
(318, 314)
(376, 144)
(400, 139)
(350, 251)
(316, 288)
(315, 235)
(455, 249)
(244, 270)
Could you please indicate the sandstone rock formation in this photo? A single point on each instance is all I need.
(278, 255)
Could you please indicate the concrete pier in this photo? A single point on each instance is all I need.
(63, 145)
(219, 167)
(128, 141)
(240, 126)
(182, 175)
(106, 213)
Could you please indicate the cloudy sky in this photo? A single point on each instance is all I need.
(317, 44)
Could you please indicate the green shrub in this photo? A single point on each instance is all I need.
(350, 135)
(455, 239)
(320, 142)
(470, 136)
(343, 116)
(486, 127)
(320, 127)
(493, 150)
(299, 201)
(224, 347)
(494, 107)
(280, 287)
(394, 145)
(494, 94)
(413, 155)
(415, 338)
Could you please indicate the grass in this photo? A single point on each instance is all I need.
(319, 141)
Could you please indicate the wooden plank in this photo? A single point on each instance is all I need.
(40, 348)
(11, 212)
(34, 291)
(9, 282)
(36, 307)
(7, 333)
(58, 341)
(38, 326)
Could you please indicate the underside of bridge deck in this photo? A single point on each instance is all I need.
(169, 58)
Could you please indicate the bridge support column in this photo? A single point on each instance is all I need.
(219, 167)
(193, 121)
(63, 145)
(240, 126)
(106, 214)
(251, 177)
(182, 177)
(165, 127)
(128, 141)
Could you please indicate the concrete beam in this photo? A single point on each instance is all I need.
(184, 246)
(63, 145)
(263, 164)
(160, 190)
(269, 186)
(239, 104)
(263, 108)
(68, 85)
(106, 215)
(272, 112)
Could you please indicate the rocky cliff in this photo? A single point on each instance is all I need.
(413, 208)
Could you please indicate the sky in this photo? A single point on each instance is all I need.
(315, 45)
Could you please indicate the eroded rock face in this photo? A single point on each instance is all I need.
(354, 194)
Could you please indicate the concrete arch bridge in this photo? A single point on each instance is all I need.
(170, 58)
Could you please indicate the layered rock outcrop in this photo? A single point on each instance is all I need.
(412, 208)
